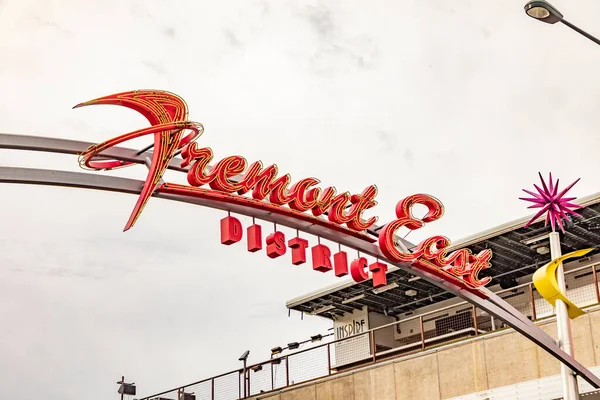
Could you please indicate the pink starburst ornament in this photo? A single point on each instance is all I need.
(552, 203)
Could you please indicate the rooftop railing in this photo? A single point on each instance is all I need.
(410, 335)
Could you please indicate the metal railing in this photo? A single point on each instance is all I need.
(406, 336)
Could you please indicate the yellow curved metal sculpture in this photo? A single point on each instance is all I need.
(546, 283)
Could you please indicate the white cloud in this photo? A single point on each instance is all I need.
(466, 102)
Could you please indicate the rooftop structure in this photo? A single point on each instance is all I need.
(410, 317)
(517, 252)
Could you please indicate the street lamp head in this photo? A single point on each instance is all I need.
(543, 11)
(244, 356)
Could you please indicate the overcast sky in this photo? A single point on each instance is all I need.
(464, 100)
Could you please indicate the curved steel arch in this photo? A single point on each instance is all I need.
(84, 180)
(75, 147)
(494, 305)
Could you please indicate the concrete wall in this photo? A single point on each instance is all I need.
(488, 362)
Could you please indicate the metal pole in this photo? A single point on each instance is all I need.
(272, 377)
(475, 321)
(328, 359)
(532, 298)
(580, 31)
(244, 378)
(372, 336)
(569, 380)
(422, 333)
(596, 283)
(122, 383)
(287, 371)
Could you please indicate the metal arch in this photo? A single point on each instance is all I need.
(66, 146)
(84, 180)
(494, 305)
(75, 147)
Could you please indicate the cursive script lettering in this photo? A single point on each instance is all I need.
(263, 182)
(432, 253)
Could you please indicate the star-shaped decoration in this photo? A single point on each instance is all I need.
(552, 203)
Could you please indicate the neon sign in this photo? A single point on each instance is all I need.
(233, 180)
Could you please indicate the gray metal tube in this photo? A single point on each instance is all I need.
(563, 323)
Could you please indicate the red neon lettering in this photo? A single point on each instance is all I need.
(321, 258)
(231, 230)
(166, 112)
(431, 253)
(379, 277)
(299, 201)
(224, 170)
(463, 263)
(321, 199)
(405, 218)
(336, 212)
(200, 158)
(481, 263)
(358, 269)
(276, 244)
(248, 181)
(340, 262)
(301, 196)
(298, 246)
(278, 190)
(361, 203)
(254, 234)
(261, 182)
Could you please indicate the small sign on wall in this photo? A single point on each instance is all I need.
(356, 346)
(352, 324)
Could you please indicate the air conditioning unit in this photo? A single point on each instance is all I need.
(188, 396)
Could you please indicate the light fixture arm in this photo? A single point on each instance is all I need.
(580, 31)
(546, 12)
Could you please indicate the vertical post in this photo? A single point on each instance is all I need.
(328, 359)
(287, 371)
(569, 380)
(422, 332)
(212, 388)
(122, 383)
(179, 394)
(595, 274)
(372, 336)
(475, 321)
(532, 297)
(272, 378)
(249, 390)
(244, 378)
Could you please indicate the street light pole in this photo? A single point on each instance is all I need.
(245, 379)
(545, 12)
(563, 323)
(244, 359)
(580, 31)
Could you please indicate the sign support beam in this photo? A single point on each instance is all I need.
(569, 380)
(494, 305)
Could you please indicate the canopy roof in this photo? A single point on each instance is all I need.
(517, 252)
